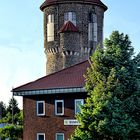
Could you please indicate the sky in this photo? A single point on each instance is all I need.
(22, 57)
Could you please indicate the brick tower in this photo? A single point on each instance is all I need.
(72, 29)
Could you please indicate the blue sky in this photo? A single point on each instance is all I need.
(22, 57)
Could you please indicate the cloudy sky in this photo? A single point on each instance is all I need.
(22, 56)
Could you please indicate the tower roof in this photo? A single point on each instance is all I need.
(52, 2)
(68, 27)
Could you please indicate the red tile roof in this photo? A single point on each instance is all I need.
(68, 27)
(52, 2)
(71, 77)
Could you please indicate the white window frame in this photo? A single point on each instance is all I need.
(82, 102)
(37, 105)
(57, 101)
(50, 27)
(50, 18)
(59, 134)
(40, 134)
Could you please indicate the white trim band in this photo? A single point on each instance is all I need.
(48, 91)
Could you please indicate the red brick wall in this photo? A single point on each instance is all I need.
(50, 124)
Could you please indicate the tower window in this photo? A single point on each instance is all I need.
(70, 16)
(92, 27)
(51, 18)
(92, 18)
(50, 27)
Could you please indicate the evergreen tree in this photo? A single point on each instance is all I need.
(137, 61)
(13, 106)
(112, 108)
(2, 110)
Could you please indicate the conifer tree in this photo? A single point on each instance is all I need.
(13, 106)
(2, 109)
(112, 109)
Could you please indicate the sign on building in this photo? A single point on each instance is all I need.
(71, 122)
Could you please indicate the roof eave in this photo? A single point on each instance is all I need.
(45, 4)
(49, 91)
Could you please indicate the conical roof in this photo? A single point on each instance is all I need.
(52, 2)
(68, 27)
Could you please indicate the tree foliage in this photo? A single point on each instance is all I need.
(13, 106)
(137, 61)
(13, 132)
(112, 108)
(2, 109)
(13, 122)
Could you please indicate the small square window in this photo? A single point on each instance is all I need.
(59, 136)
(40, 108)
(59, 107)
(40, 136)
(78, 103)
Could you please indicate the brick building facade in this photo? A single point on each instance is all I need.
(51, 103)
(72, 29)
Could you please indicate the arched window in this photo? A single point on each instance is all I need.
(50, 27)
(70, 16)
(92, 27)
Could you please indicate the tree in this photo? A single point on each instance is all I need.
(13, 106)
(2, 109)
(112, 108)
(12, 132)
(137, 61)
(13, 120)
